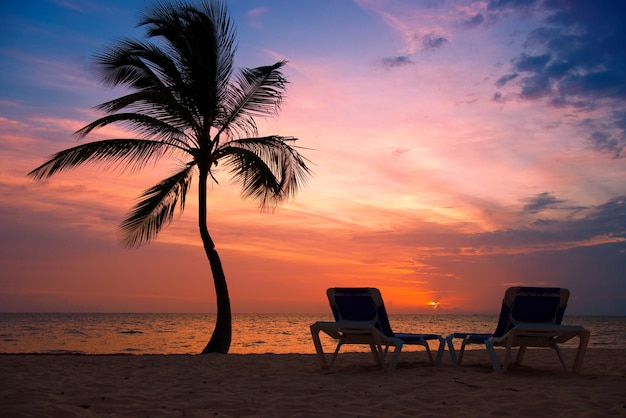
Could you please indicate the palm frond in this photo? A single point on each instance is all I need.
(201, 41)
(156, 208)
(160, 89)
(145, 126)
(205, 32)
(184, 98)
(268, 169)
(255, 92)
(129, 154)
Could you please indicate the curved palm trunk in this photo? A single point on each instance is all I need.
(222, 334)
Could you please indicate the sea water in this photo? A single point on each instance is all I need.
(140, 333)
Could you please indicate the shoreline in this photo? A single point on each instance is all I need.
(288, 385)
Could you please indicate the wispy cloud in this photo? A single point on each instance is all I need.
(542, 201)
(400, 61)
(254, 16)
(474, 21)
(432, 41)
(575, 59)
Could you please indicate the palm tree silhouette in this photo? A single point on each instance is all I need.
(187, 102)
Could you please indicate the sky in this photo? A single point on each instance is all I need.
(458, 147)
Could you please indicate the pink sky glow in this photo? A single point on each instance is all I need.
(444, 171)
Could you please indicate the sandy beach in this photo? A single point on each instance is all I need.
(292, 385)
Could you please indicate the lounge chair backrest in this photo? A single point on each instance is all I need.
(541, 305)
(359, 304)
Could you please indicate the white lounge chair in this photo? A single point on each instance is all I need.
(361, 318)
(530, 317)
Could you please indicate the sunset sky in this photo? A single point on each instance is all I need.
(458, 147)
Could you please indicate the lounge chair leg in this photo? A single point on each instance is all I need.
(395, 357)
(335, 354)
(451, 350)
(442, 347)
(321, 356)
(430, 355)
(494, 358)
(508, 358)
(461, 352)
(315, 333)
(560, 354)
(378, 355)
(520, 355)
(582, 348)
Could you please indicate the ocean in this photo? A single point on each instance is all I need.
(141, 333)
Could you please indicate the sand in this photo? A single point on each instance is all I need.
(292, 385)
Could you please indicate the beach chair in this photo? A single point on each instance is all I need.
(361, 318)
(530, 317)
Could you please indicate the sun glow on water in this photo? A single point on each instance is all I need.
(252, 333)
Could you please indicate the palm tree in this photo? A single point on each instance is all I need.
(187, 102)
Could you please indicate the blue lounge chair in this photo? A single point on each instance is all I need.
(530, 317)
(361, 318)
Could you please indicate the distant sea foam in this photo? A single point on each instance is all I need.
(109, 333)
